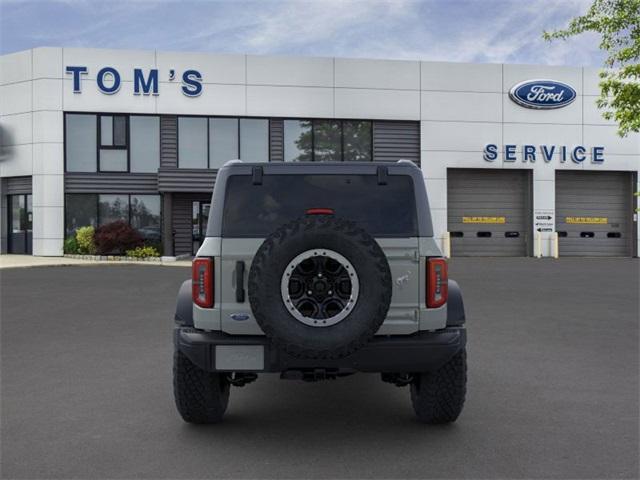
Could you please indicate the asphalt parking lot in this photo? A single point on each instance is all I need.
(553, 385)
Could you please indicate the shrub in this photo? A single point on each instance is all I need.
(70, 245)
(84, 238)
(116, 238)
(143, 252)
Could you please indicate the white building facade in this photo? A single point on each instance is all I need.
(91, 136)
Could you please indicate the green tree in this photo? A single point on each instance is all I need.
(618, 23)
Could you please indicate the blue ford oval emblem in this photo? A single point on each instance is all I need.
(240, 317)
(542, 94)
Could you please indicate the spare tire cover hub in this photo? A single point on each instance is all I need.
(320, 287)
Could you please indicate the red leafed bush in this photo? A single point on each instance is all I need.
(116, 238)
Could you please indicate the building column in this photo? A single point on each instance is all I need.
(167, 224)
(544, 205)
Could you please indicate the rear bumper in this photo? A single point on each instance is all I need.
(420, 352)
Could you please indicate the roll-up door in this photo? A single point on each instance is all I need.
(594, 213)
(489, 212)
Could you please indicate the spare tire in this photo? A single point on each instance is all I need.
(320, 287)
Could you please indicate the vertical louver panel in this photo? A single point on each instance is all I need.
(18, 185)
(168, 141)
(276, 139)
(393, 141)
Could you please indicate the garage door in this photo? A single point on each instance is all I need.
(593, 213)
(488, 212)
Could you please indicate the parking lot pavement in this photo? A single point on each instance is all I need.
(553, 385)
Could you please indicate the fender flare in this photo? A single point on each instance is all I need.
(455, 305)
(184, 305)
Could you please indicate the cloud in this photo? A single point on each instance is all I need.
(455, 30)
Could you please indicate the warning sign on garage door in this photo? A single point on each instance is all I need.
(587, 220)
(544, 220)
(499, 220)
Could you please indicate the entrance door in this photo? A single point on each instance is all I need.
(199, 219)
(20, 222)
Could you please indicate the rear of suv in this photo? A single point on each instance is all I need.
(316, 271)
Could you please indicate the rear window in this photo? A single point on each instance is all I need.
(257, 210)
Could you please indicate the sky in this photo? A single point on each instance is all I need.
(486, 31)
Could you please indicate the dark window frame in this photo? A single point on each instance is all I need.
(341, 121)
(209, 117)
(101, 147)
(98, 115)
(121, 194)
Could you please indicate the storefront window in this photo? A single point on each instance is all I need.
(112, 208)
(80, 211)
(145, 217)
(192, 142)
(254, 140)
(297, 141)
(357, 141)
(223, 141)
(113, 143)
(145, 143)
(327, 141)
(113, 160)
(80, 142)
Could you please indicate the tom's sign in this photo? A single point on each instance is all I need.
(108, 80)
(542, 94)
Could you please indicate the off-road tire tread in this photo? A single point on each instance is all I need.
(348, 228)
(438, 397)
(201, 396)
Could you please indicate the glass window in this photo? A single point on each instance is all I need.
(112, 208)
(327, 141)
(145, 217)
(254, 140)
(29, 218)
(106, 130)
(192, 142)
(17, 213)
(120, 131)
(81, 210)
(113, 160)
(80, 142)
(257, 210)
(145, 143)
(357, 141)
(297, 140)
(223, 141)
(113, 131)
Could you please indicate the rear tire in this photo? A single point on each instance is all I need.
(201, 396)
(438, 397)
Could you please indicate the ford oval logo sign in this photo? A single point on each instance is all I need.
(542, 94)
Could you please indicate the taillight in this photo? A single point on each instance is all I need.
(202, 282)
(437, 282)
(319, 211)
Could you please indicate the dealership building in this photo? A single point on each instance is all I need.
(517, 159)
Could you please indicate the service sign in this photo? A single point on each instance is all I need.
(544, 220)
(542, 94)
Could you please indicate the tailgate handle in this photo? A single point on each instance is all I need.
(240, 281)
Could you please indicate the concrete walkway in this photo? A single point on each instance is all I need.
(25, 261)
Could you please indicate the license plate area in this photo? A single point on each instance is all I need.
(239, 357)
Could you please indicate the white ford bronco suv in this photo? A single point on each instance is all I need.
(317, 271)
